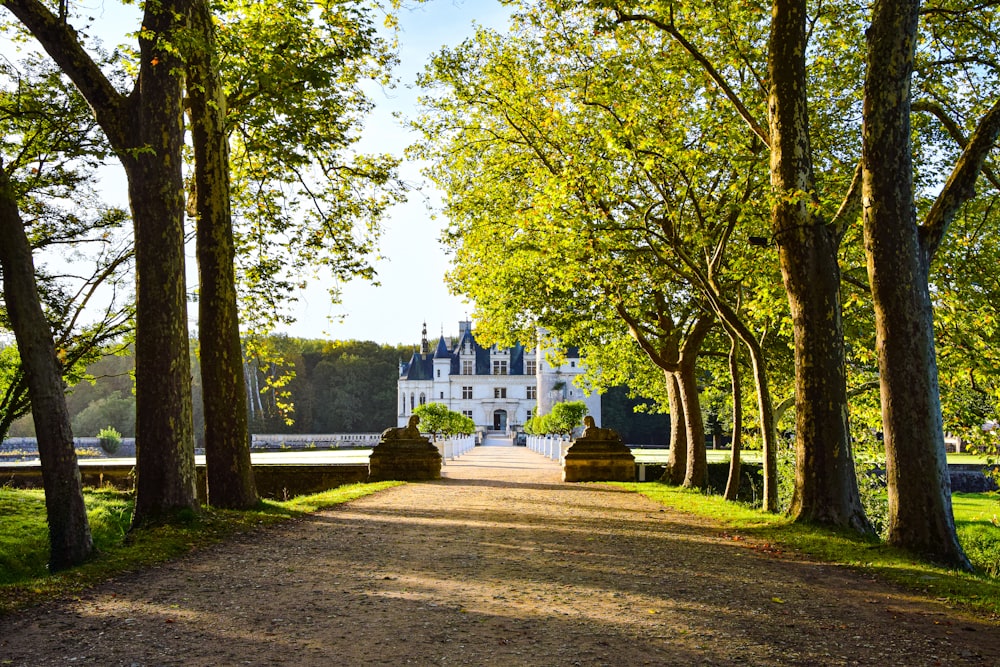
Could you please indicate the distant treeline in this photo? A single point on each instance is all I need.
(297, 385)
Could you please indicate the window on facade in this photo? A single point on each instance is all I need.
(499, 392)
(467, 413)
(466, 392)
(499, 367)
(531, 391)
(467, 367)
(528, 417)
(423, 398)
(530, 368)
(439, 372)
(572, 364)
(442, 395)
(412, 401)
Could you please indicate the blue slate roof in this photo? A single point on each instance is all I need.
(442, 350)
(421, 366)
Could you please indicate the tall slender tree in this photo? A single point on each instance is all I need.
(227, 436)
(899, 256)
(69, 530)
(145, 129)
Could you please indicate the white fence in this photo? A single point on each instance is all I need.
(552, 446)
(451, 448)
(310, 441)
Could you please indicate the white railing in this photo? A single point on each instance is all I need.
(551, 446)
(322, 440)
(453, 447)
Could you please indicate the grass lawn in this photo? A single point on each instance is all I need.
(24, 549)
(976, 517)
(643, 455)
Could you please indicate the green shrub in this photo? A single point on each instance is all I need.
(110, 439)
(982, 545)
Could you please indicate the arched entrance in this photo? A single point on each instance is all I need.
(500, 420)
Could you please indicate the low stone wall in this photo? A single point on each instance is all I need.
(278, 482)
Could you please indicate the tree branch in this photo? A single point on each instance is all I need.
(713, 73)
(60, 41)
(960, 186)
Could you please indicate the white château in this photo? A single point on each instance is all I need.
(499, 389)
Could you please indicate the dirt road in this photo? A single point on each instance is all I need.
(498, 564)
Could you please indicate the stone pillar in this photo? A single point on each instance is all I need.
(404, 455)
(599, 455)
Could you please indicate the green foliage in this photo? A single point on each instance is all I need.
(114, 411)
(872, 490)
(337, 387)
(294, 386)
(110, 439)
(50, 147)
(295, 75)
(437, 419)
(565, 417)
(535, 425)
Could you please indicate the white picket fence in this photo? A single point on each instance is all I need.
(452, 448)
(552, 446)
(310, 441)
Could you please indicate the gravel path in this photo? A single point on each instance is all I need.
(498, 564)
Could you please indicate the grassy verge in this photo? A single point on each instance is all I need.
(24, 549)
(975, 517)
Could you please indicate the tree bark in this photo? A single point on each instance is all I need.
(69, 531)
(920, 512)
(826, 488)
(146, 131)
(227, 437)
(696, 474)
(735, 469)
(677, 460)
(165, 471)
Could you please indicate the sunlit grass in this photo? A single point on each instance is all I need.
(974, 518)
(24, 549)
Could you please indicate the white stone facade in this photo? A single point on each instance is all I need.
(499, 389)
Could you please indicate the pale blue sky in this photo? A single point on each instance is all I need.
(411, 276)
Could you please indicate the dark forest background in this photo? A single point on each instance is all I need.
(300, 385)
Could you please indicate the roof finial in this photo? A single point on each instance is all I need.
(425, 347)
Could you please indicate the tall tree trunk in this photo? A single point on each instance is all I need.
(738, 330)
(826, 487)
(677, 460)
(165, 470)
(146, 131)
(735, 469)
(227, 436)
(69, 530)
(696, 475)
(920, 512)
